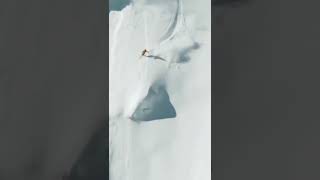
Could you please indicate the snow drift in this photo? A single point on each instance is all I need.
(171, 85)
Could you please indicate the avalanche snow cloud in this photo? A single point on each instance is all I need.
(159, 104)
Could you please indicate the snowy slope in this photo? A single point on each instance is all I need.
(175, 148)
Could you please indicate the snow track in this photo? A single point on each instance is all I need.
(173, 24)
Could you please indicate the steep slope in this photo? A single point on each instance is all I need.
(178, 69)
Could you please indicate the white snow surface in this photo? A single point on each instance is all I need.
(171, 149)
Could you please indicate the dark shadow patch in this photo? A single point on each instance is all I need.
(156, 57)
(117, 5)
(184, 53)
(155, 106)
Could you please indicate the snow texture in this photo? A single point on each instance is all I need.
(159, 104)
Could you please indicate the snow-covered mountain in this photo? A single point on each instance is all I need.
(159, 104)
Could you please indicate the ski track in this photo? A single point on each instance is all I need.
(172, 26)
